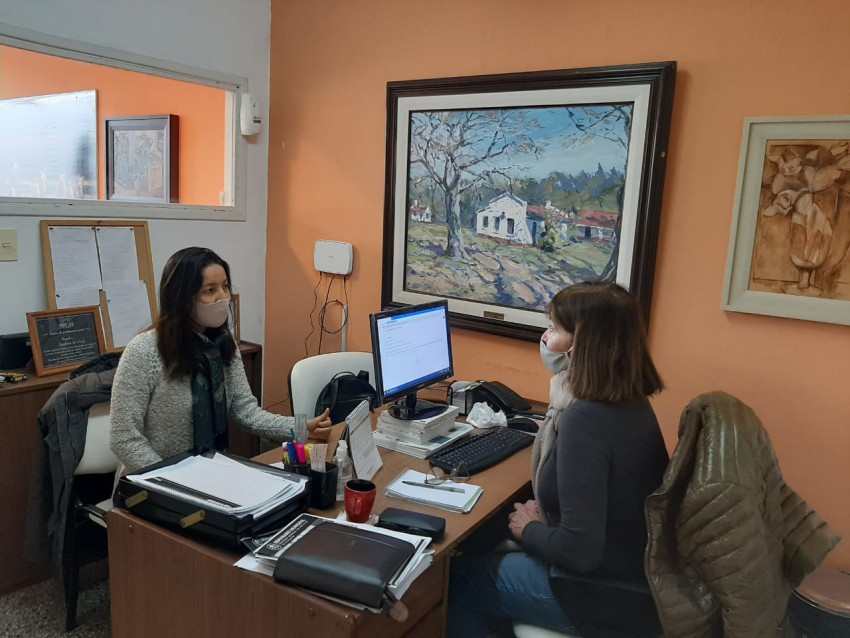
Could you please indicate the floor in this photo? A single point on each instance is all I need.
(38, 612)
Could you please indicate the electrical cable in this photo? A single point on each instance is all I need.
(322, 313)
(312, 327)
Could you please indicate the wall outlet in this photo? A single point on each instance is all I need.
(8, 244)
(333, 257)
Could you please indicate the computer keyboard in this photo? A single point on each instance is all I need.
(477, 453)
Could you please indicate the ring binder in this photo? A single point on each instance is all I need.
(202, 519)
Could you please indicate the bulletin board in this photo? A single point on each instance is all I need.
(55, 271)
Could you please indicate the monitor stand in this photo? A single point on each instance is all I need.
(410, 408)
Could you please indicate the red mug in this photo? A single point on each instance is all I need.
(359, 499)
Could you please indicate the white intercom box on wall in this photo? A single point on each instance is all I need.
(333, 257)
(250, 118)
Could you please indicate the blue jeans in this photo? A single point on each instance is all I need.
(513, 586)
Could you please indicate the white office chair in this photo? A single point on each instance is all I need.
(97, 459)
(310, 375)
(530, 631)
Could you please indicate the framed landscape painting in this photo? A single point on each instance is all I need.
(503, 189)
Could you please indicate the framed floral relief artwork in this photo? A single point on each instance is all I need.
(788, 252)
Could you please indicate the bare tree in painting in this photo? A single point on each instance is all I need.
(614, 124)
(461, 149)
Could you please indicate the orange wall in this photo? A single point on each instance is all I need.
(330, 62)
(123, 93)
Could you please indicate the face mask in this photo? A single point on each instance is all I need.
(212, 315)
(555, 361)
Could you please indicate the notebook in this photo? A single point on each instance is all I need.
(449, 495)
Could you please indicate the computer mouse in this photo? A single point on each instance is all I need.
(524, 424)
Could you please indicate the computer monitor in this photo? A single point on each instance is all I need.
(412, 348)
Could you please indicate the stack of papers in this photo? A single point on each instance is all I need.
(222, 484)
(264, 558)
(449, 495)
(422, 450)
(417, 431)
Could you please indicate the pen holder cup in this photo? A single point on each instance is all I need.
(323, 487)
(298, 468)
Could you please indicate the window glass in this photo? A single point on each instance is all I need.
(127, 137)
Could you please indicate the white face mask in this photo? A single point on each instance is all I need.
(211, 315)
(555, 361)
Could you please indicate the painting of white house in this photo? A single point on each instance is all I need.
(507, 206)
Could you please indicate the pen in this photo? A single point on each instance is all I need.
(445, 488)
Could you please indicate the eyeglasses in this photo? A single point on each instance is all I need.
(436, 475)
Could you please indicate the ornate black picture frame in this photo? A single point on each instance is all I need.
(502, 189)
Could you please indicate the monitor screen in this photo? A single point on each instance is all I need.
(412, 349)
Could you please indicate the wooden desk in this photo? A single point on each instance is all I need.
(19, 405)
(163, 583)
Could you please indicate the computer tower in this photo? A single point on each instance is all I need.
(15, 350)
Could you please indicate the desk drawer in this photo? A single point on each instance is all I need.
(430, 626)
(421, 599)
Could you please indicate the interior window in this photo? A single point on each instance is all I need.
(123, 140)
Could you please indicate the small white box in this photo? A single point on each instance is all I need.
(333, 257)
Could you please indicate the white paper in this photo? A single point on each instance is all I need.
(129, 310)
(424, 450)
(117, 250)
(247, 488)
(74, 253)
(364, 453)
(77, 297)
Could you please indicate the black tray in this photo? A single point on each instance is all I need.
(169, 510)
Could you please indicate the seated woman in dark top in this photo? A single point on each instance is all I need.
(586, 524)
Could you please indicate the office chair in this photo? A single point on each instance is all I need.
(93, 479)
(728, 539)
(309, 376)
(530, 631)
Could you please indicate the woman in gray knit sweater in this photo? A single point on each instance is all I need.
(178, 384)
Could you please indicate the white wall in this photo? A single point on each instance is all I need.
(217, 35)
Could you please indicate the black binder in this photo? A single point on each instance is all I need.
(188, 517)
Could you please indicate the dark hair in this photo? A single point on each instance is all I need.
(610, 358)
(181, 281)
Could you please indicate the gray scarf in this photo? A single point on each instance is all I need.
(559, 398)
(209, 396)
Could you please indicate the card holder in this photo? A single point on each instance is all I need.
(400, 520)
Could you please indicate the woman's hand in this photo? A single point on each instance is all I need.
(523, 514)
(320, 427)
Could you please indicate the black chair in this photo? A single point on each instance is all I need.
(90, 501)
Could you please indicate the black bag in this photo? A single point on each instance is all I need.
(344, 392)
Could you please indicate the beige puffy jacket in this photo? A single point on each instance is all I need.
(728, 539)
